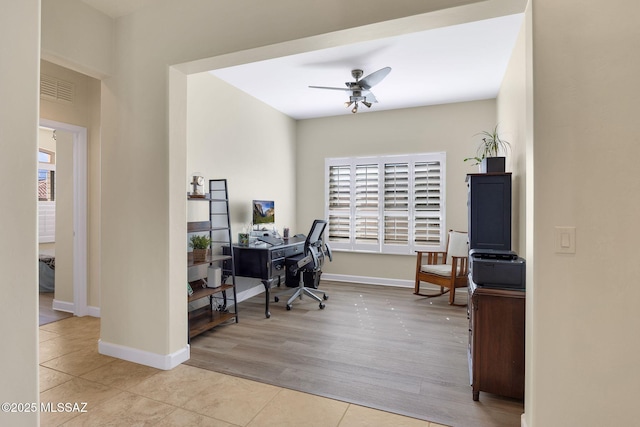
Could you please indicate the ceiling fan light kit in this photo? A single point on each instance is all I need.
(360, 88)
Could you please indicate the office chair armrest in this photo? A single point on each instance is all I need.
(432, 257)
(328, 251)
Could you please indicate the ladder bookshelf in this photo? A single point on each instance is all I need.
(221, 306)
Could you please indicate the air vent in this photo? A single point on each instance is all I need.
(54, 89)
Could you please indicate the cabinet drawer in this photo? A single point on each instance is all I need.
(293, 250)
(277, 266)
(278, 253)
(286, 252)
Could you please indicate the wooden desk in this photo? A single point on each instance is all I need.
(265, 262)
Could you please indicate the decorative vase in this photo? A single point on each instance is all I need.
(200, 255)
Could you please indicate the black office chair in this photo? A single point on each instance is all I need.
(306, 267)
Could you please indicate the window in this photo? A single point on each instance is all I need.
(46, 185)
(46, 196)
(46, 156)
(388, 204)
(46, 175)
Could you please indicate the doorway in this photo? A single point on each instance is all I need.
(70, 249)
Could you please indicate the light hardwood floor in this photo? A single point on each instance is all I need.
(120, 393)
(46, 313)
(374, 346)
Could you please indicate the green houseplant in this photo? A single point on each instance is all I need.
(488, 149)
(200, 244)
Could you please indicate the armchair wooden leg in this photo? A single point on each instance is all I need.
(452, 297)
(416, 291)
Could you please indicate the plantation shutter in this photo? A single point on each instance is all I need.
(339, 204)
(396, 203)
(366, 204)
(427, 203)
(387, 204)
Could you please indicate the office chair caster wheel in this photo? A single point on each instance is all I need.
(288, 307)
(325, 297)
(322, 306)
(276, 299)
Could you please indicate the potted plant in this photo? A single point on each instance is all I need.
(200, 244)
(487, 153)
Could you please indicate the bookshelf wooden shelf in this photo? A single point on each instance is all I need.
(203, 319)
(205, 292)
(222, 301)
(209, 260)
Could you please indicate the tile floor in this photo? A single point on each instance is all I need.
(121, 393)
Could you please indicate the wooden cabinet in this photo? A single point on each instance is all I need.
(489, 200)
(220, 305)
(496, 341)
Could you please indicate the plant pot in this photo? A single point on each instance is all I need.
(200, 255)
(493, 165)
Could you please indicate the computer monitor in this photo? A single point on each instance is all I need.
(264, 212)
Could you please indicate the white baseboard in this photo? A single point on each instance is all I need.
(70, 307)
(159, 361)
(251, 292)
(523, 421)
(66, 306)
(258, 289)
(369, 280)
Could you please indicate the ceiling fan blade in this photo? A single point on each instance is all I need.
(369, 96)
(332, 88)
(374, 78)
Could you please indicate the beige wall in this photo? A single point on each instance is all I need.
(78, 37)
(45, 140)
(444, 128)
(512, 119)
(64, 218)
(84, 112)
(19, 41)
(585, 322)
(234, 136)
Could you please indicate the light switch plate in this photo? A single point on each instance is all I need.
(565, 240)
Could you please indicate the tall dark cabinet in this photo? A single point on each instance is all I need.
(496, 314)
(489, 199)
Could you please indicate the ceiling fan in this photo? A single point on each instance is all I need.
(360, 88)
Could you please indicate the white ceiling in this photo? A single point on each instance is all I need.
(458, 63)
(453, 64)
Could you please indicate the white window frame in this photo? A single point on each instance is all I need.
(351, 216)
